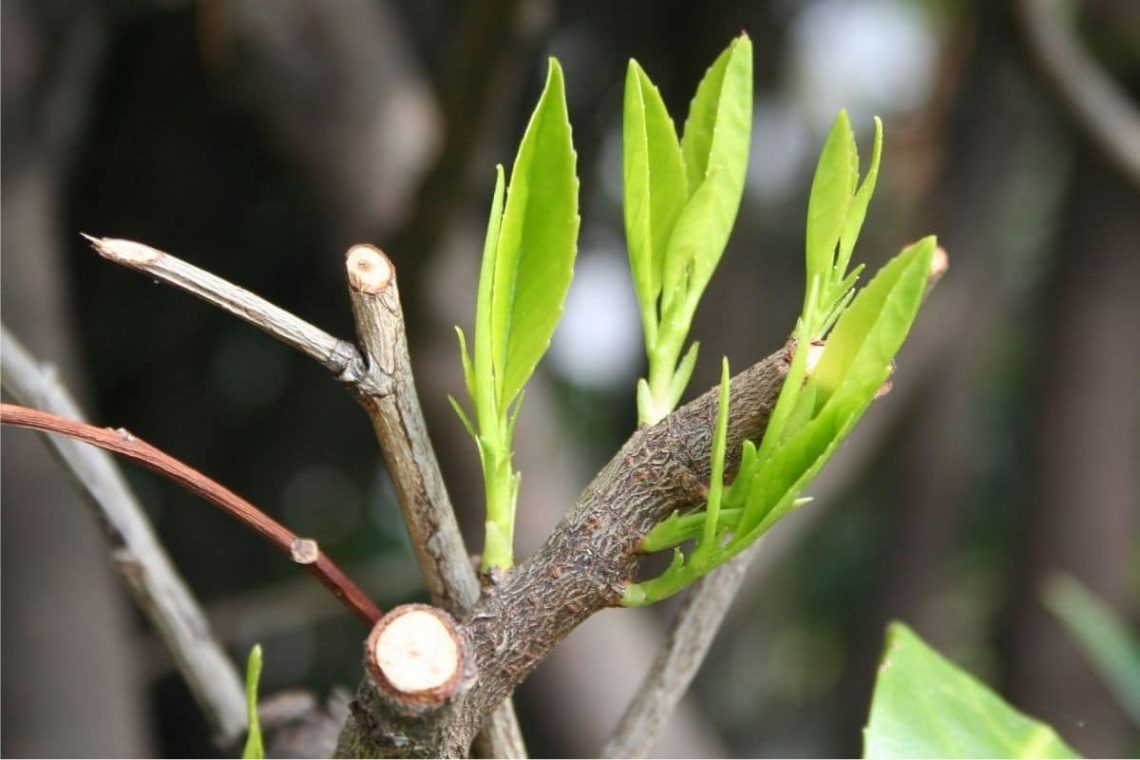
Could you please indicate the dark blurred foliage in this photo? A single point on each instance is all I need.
(258, 139)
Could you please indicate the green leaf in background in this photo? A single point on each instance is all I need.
(1102, 637)
(654, 191)
(534, 260)
(254, 749)
(926, 707)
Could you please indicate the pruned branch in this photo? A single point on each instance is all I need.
(398, 422)
(380, 378)
(400, 428)
(137, 555)
(337, 356)
(303, 551)
(592, 555)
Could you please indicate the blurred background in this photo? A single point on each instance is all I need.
(260, 138)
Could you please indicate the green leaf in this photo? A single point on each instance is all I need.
(924, 706)
(855, 363)
(470, 428)
(682, 376)
(716, 478)
(872, 329)
(831, 195)
(719, 127)
(485, 392)
(534, 261)
(254, 748)
(1103, 638)
(654, 187)
(857, 211)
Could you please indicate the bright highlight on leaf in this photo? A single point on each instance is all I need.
(528, 261)
(821, 401)
(680, 203)
(254, 748)
(926, 707)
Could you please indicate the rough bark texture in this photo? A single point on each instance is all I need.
(398, 422)
(587, 562)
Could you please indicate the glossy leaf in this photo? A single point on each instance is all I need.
(857, 211)
(831, 192)
(653, 174)
(537, 242)
(719, 126)
(855, 363)
(870, 332)
(926, 707)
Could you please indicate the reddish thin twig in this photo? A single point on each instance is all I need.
(300, 550)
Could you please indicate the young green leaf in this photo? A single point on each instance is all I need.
(857, 211)
(534, 261)
(654, 188)
(719, 126)
(871, 330)
(924, 706)
(254, 748)
(690, 225)
(855, 363)
(831, 195)
(716, 478)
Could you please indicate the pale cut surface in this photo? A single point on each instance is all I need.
(417, 652)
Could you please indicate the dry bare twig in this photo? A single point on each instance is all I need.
(303, 551)
(381, 381)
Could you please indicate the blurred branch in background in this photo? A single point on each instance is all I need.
(135, 551)
(56, 579)
(1091, 97)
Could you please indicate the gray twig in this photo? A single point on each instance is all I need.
(136, 552)
(337, 356)
(678, 659)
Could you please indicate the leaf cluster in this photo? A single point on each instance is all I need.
(828, 387)
(681, 197)
(528, 262)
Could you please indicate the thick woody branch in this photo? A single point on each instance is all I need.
(400, 428)
(592, 555)
(137, 555)
(303, 551)
(420, 669)
(398, 422)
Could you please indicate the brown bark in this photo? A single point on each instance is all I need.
(590, 558)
